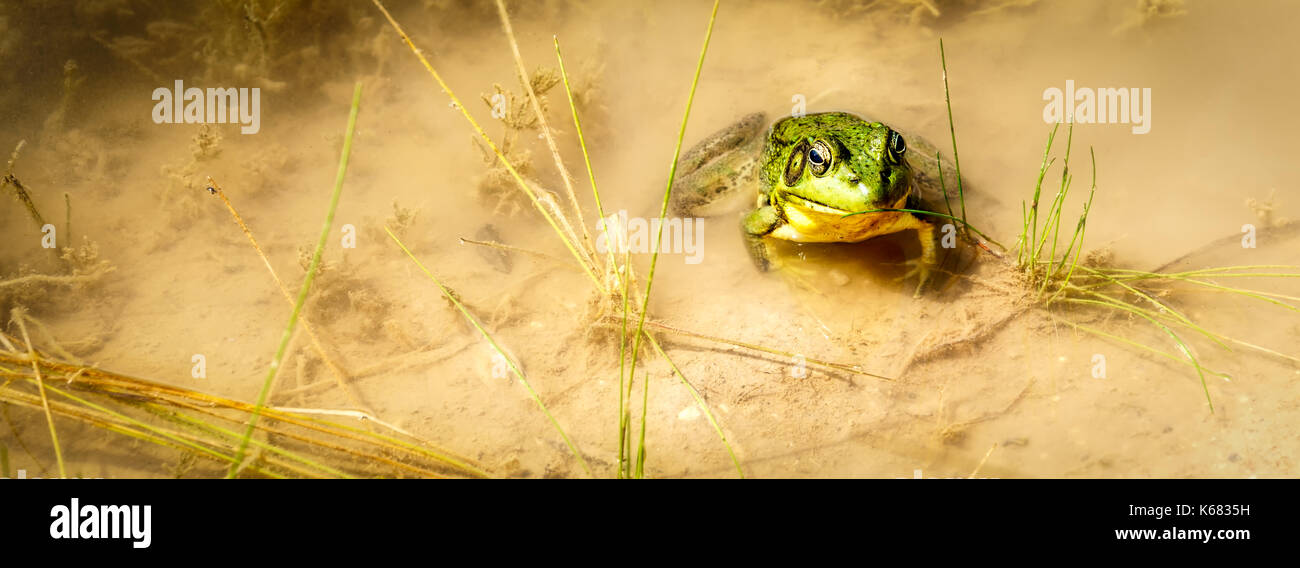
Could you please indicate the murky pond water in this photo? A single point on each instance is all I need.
(984, 381)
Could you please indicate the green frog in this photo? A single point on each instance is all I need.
(811, 172)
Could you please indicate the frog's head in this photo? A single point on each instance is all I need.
(837, 160)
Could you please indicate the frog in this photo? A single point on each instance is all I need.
(818, 178)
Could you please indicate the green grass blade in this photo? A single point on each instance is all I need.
(1053, 223)
(582, 142)
(932, 213)
(699, 401)
(1164, 311)
(943, 185)
(1187, 351)
(611, 259)
(622, 360)
(1124, 340)
(40, 384)
(306, 283)
(1079, 232)
(496, 347)
(668, 189)
(1031, 224)
(645, 404)
(952, 131)
(219, 431)
(152, 430)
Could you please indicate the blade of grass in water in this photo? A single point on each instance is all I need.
(1126, 341)
(640, 450)
(923, 212)
(1080, 232)
(1187, 351)
(150, 429)
(509, 361)
(1029, 232)
(306, 283)
(952, 131)
(1053, 223)
(699, 401)
(40, 383)
(582, 142)
(622, 358)
(610, 258)
(668, 189)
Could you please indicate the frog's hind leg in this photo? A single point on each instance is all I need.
(922, 267)
(754, 226)
(718, 168)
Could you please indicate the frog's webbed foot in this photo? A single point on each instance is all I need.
(922, 267)
(921, 270)
(754, 226)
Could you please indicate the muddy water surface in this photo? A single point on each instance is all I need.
(1018, 395)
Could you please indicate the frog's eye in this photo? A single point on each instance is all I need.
(819, 157)
(794, 168)
(897, 146)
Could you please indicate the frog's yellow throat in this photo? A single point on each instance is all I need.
(810, 222)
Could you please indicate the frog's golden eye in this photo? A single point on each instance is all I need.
(794, 168)
(819, 157)
(897, 146)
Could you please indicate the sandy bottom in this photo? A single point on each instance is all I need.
(983, 382)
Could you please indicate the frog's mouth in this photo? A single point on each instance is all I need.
(823, 208)
(815, 205)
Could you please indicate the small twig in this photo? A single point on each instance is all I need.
(512, 248)
(980, 465)
(21, 191)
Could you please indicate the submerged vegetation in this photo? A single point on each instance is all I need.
(1052, 280)
(238, 439)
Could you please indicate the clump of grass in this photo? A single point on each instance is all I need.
(40, 387)
(205, 425)
(1055, 276)
(1061, 279)
(616, 285)
(1056, 279)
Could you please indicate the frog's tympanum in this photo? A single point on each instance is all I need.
(811, 172)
